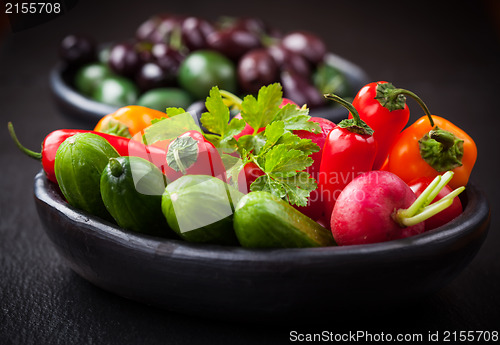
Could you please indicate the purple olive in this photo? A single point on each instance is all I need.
(194, 32)
(233, 43)
(124, 59)
(252, 25)
(288, 60)
(150, 75)
(255, 69)
(77, 50)
(300, 90)
(147, 28)
(306, 44)
(168, 58)
(166, 27)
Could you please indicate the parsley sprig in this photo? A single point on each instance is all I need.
(277, 151)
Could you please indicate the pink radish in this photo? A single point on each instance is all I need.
(378, 206)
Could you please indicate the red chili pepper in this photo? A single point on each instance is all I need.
(124, 146)
(349, 150)
(383, 107)
(191, 154)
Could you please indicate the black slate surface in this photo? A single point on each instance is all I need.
(448, 53)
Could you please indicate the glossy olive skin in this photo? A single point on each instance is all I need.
(306, 44)
(150, 75)
(162, 98)
(77, 50)
(289, 60)
(233, 43)
(90, 76)
(194, 33)
(124, 59)
(300, 90)
(256, 69)
(203, 69)
(116, 91)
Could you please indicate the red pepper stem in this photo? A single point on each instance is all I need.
(28, 152)
(393, 94)
(347, 105)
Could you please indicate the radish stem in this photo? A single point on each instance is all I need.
(427, 212)
(445, 178)
(421, 209)
(421, 201)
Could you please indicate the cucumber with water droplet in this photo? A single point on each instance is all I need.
(78, 166)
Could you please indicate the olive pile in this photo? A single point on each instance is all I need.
(175, 60)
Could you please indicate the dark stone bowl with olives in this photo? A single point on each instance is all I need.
(173, 61)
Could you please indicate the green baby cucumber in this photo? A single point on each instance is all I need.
(78, 166)
(262, 220)
(200, 209)
(131, 189)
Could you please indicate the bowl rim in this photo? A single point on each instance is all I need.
(477, 211)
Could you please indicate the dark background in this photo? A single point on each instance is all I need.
(447, 52)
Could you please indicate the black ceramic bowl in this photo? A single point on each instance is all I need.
(224, 281)
(74, 104)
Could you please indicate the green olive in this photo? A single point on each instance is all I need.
(162, 98)
(118, 91)
(88, 77)
(203, 69)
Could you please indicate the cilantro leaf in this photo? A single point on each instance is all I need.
(284, 162)
(259, 112)
(216, 120)
(293, 141)
(172, 111)
(169, 128)
(297, 119)
(267, 184)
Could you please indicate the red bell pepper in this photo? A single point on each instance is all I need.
(349, 150)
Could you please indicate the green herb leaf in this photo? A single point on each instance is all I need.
(172, 111)
(293, 141)
(169, 128)
(216, 120)
(297, 119)
(260, 112)
(284, 162)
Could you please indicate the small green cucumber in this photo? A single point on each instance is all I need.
(200, 209)
(131, 189)
(78, 166)
(262, 220)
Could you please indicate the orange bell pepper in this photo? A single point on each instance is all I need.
(128, 121)
(425, 149)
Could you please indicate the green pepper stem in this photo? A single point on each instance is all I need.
(347, 105)
(394, 93)
(446, 138)
(28, 152)
(422, 209)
